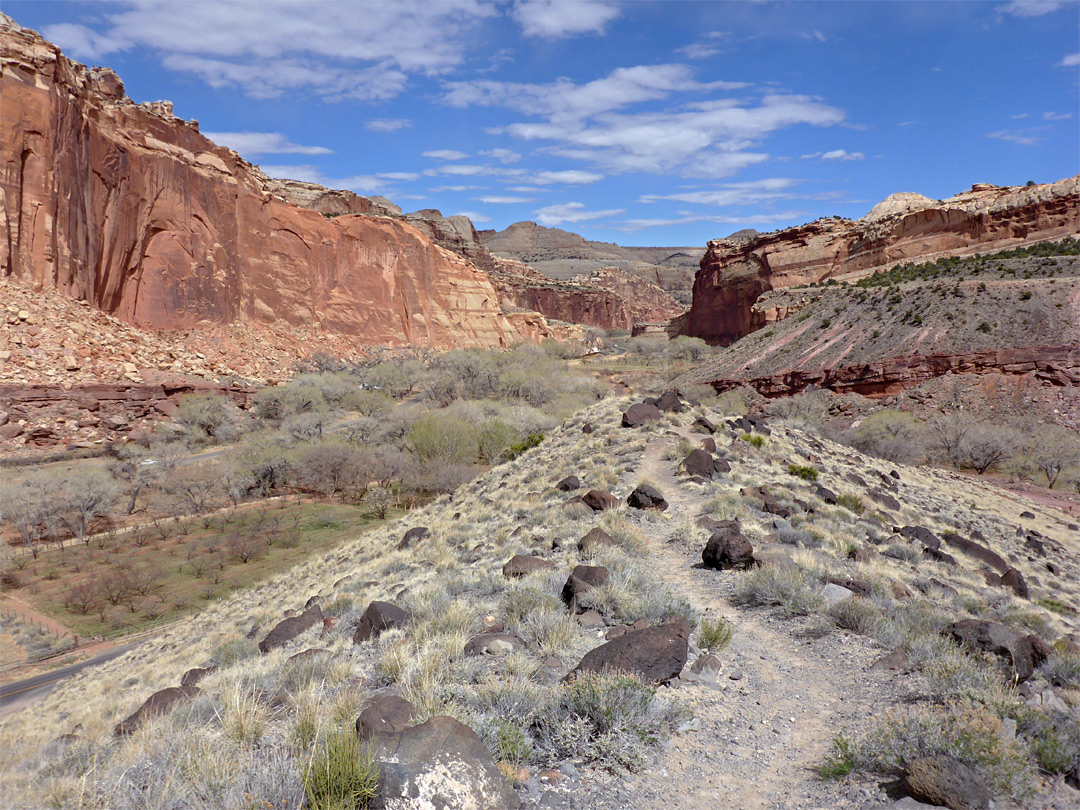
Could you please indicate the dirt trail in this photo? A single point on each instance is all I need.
(768, 725)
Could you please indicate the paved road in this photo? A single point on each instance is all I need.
(18, 695)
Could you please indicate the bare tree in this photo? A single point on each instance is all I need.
(83, 597)
(133, 469)
(82, 499)
(986, 445)
(947, 435)
(31, 510)
(246, 547)
(196, 486)
(1054, 450)
(380, 500)
(145, 579)
(330, 469)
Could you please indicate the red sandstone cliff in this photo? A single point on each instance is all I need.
(135, 211)
(905, 227)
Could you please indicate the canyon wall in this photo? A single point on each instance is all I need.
(735, 272)
(133, 210)
(1054, 365)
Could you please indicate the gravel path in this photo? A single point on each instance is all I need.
(765, 728)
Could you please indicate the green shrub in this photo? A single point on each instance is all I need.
(442, 438)
(842, 761)
(496, 439)
(753, 439)
(803, 471)
(528, 443)
(714, 636)
(233, 651)
(853, 503)
(342, 774)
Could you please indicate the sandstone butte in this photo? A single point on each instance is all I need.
(905, 227)
(133, 210)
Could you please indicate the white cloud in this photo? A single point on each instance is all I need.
(360, 183)
(388, 124)
(571, 177)
(815, 35)
(81, 42)
(552, 215)
(754, 191)
(587, 122)
(1056, 116)
(440, 189)
(502, 155)
(399, 175)
(475, 217)
(1024, 137)
(699, 50)
(445, 154)
(528, 189)
(553, 19)
(563, 100)
(1071, 60)
(504, 200)
(264, 143)
(337, 50)
(1030, 8)
(835, 154)
(1018, 116)
(635, 225)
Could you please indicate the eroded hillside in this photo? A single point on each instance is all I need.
(840, 579)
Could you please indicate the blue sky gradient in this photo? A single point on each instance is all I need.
(643, 123)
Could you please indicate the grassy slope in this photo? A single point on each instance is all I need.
(452, 581)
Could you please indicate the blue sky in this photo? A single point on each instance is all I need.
(647, 123)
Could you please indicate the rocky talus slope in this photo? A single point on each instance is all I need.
(131, 209)
(986, 315)
(843, 596)
(736, 272)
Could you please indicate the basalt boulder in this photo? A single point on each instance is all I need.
(385, 714)
(288, 629)
(647, 497)
(656, 654)
(523, 564)
(379, 617)
(598, 500)
(159, 703)
(582, 580)
(728, 547)
(639, 414)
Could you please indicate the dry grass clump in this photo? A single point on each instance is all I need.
(968, 733)
(794, 590)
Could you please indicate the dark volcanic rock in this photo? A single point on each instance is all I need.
(598, 500)
(946, 782)
(701, 423)
(594, 539)
(702, 463)
(1014, 650)
(977, 550)
(378, 617)
(656, 654)
(728, 548)
(670, 401)
(1015, 580)
(290, 628)
(568, 484)
(581, 580)
(157, 704)
(923, 535)
(387, 714)
(522, 564)
(647, 497)
(638, 414)
(439, 765)
(193, 676)
(413, 536)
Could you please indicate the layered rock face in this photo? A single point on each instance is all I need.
(562, 255)
(905, 227)
(1055, 365)
(607, 298)
(136, 212)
